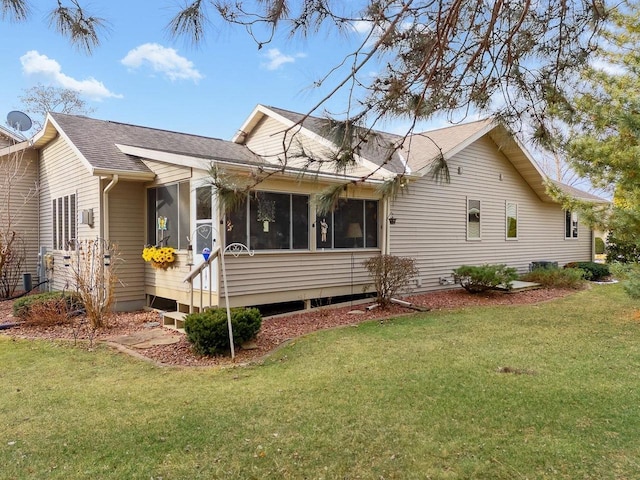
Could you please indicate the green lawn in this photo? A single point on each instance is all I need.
(417, 397)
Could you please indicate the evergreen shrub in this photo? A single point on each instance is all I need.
(476, 279)
(208, 330)
(554, 277)
(594, 271)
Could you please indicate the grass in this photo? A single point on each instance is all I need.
(416, 397)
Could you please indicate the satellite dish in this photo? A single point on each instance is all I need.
(19, 121)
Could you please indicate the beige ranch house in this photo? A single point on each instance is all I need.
(136, 186)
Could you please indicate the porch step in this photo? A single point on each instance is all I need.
(174, 320)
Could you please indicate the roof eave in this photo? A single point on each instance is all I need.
(124, 174)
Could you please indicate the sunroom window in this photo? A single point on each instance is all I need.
(168, 210)
(353, 224)
(270, 221)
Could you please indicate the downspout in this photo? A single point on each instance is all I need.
(386, 244)
(105, 206)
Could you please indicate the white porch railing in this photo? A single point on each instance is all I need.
(198, 270)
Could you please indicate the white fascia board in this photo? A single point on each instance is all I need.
(166, 157)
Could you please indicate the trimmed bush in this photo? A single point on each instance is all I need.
(554, 277)
(208, 330)
(599, 245)
(48, 307)
(594, 271)
(476, 279)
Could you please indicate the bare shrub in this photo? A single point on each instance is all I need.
(14, 261)
(390, 275)
(94, 281)
(52, 311)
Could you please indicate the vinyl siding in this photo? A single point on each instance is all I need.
(167, 173)
(432, 219)
(302, 275)
(267, 141)
(127, 231)
(61, 174)
(19, 204)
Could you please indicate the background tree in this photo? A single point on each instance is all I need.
(433, 55)
(37, 101)
(510, 59)
(603, 133)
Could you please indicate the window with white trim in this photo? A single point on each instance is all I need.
(64, 211)
(511, 212)
(570, 224)
(473, 219)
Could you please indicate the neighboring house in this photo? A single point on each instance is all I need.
(114, 181)
(18, 205)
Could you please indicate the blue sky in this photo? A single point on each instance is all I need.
(140, 75)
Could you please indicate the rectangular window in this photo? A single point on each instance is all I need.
(270, 221)
(353, 224)
(473, 219)
(512, 220)
(570, 224)
(168, 210)
(64, 222)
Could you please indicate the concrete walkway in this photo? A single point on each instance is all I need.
(146, 338)
(518, 286)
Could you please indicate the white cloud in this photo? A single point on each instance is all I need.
(362, 26)
(608, 67)
(275, 59)
(163, 60)
(33, 63)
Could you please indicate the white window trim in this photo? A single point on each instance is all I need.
(506, 221)
(479, 237)
(577, 221)
(64, 221)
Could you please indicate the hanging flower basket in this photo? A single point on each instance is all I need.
(159, 257)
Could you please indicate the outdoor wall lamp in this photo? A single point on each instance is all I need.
(392, 219)
(67, 260)
(107, 260)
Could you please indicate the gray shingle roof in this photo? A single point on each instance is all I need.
(579, 194)
(97, 139)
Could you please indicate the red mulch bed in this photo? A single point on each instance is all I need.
(275, 330)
